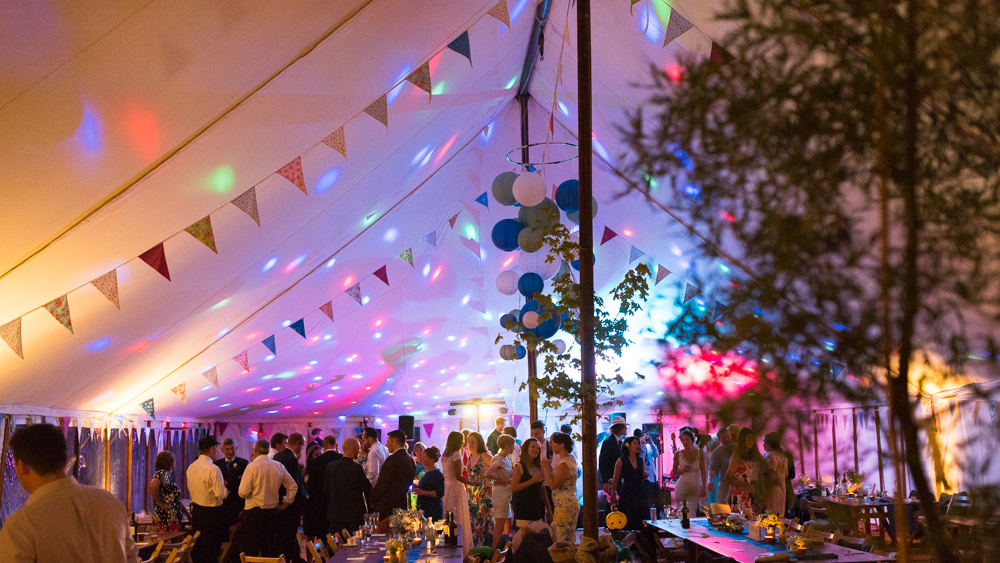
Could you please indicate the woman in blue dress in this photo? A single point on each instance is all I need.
(627, 486)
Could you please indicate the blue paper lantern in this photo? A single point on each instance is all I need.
(576, 263)
(529, 284)
(505, 234)
(520, 352)
(507, 321)
(568, 196)
(545, 329)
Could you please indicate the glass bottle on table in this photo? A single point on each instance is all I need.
(685, 515)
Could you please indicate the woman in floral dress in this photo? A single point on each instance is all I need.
(167, 507)
(743, 470)
(481, 491)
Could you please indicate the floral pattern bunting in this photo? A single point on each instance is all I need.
(677, 25)
(212, 375)
(247, 203)
(147, 406)
(407, 255)
(634, 254)
(181, 392)
(452, 220)
(500, 12)
(337, 141)
(421, 78)
(690, 292)
(293, 173)
(661, 273)
(11, 334)
(202, 230)
(59, 309)
(108, 286)
(431, 238)
(379, 109)
(355, 292)
(327, 309)
(299, 326)
(243, 360)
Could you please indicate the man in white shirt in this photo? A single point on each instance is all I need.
(208, 490)
(62, 519)
(279, 441)
(261, 480)
(650, 453)
(376, 454)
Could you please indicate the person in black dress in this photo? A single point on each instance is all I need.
(627, 486)
(314, 524)
(529, 501)
(430, 489)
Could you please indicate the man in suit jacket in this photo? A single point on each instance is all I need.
(232, 468)
(611, 452)
(395, 478)
(288, 520)
(348, 488)
(314, 522)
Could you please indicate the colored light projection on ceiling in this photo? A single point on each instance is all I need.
(708, 372)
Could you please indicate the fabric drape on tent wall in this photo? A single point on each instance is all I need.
(118, 466)
(966, 427)
(140, 476)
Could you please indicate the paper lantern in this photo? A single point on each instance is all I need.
(563, 270)
(520, 352)
(535, 262)
(507, 321)
(547, 210)
(568, 196)
(507, 282)
(530, 240)
(530, 320)
(576, 263)
(575, 252)
(549, 328)
(575, 217)
(529, 189)
(529, 284)
(503, 188)
(560, 345)
(505, 234)
(507, 352)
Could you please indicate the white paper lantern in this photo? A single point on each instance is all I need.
(560, 345)
(515, 313)
(575, 253)
(507, 352)
(507, 282)
(530, 319)
(529, 189)
(535, 262)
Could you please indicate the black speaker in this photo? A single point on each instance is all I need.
(406, 425)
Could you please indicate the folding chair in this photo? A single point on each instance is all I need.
(156, 553)
(244, 558)
(317, 551)
(334, 543)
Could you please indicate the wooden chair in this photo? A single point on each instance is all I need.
(500, 553)
(244, 558)
(179, 554)
(156, 553)
(345, 534)
(317, 551)
(334, 543)
(959, 505)
(795, 527)
(825, 537)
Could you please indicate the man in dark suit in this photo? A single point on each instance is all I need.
(395, 477)
(232, 468)
(348, 488)
(314, 523)
(289, 518)
(611, 452)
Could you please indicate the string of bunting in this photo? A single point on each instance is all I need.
(201, 230)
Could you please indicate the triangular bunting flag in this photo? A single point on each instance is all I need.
(499, 11)
(720, 309)
(379, 109)
(478, 306)
(407, 255)
(108, 285)
(11, 334)
(676, 27)
(516, 420)
(428, 428)
(337, 141)
(59, 309)
(478, 281)
(480, 329)
(631, 6)
(421, 78)
(473, 210)
(355, 292)
(634, 254)
(299, 326)
(147, 406)
(157, 259)
(181, 392)
(432, 238)
(608, 235)
(202, 230)
(483, 200)
(293, 173)
(836, 369)
(247, 203)
(270, 344)
(661, 273)
(461, 46)
(243, 360)
(718, 58)
(382, 275)
(471, 245)
(212, 375)
(690, 292)
(453, 219)
(327, 309)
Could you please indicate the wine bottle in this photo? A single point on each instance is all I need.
(451, 530)
(685, 515)
(133, 525)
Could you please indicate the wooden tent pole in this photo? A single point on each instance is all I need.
(854, 424)
(816, 446)
(802, 451)
(833, 430)
(878, 446)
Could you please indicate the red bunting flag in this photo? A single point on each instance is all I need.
(247, 203)
(453, 219)
(690, 292)
(59, 309)
(327, 309)
(608, 235)
(293, 173)
(11, 334)
(718, 58)
(157, 259)
(202, 230)
(337, 141)
(379, 109)
(382, 275)
(421, 78)
(108, 286)
(243, 360)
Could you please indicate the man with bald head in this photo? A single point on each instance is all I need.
(349, 490)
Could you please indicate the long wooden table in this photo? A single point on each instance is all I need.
(701, 536)
(442, 553)
(863, 511)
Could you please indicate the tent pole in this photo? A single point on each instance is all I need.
(815, 418)
(854, 424)
(588, 381)
(802, 451)
(878, 446)
(833, 429)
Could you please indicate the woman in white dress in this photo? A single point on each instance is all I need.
(456, 497)
(689, 468)
(501, 471)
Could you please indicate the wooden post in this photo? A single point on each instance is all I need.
(802, 451)
(816, 447)
(107, 457)
(532, 388)
(833, 429)
(878, 446)
(854, 423)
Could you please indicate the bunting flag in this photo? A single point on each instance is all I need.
(299, 326)
(181, 393)
(634, 254)
(690, 292)
(461, 46)
(337, 141)
(432, 238)
(270, 344)
(108, 286)
(147, 406)
(355, 292)
(59, 309)
(720, 309)
(157, 260)
(499, 11)
(516, 420)
(407, 255)
(473, 210)
(382, 275)
(608, 235)
(421, 78)
(379, 109)
(631, 6)
(243, 360)
(483, 200)
(480, 329)
(428, 428)
(472, 245)
(478, 281)
(293, 173)
(212, 375)
(677, 25)
(202, 230)
(661, 273)
(11, 334)
(718, 58)
(836, 369)
(453, 219)
(327, 309)
(478, 306)
(247, 203)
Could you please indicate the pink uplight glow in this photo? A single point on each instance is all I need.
(708, 371)
(674, 71)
